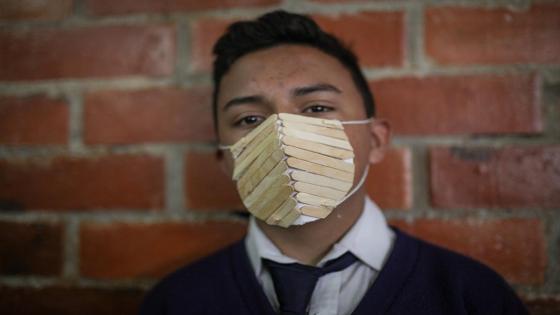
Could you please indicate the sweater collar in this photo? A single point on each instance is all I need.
(371, 228)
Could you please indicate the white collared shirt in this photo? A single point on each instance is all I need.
(338, 293)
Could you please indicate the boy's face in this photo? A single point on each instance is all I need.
(298, 80)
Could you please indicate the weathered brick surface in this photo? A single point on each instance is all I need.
(493, 36)
(377, 38)
(34, 10)
(489, 177)
(69, 301)
(439, 105)
(33, 120)
(513, 247)
(67, 183)
(389, 183)
(104, 51)
(204, 33)
(107, 7)
(206, 186)
(149, 250)
(31, 248)
(154, 115)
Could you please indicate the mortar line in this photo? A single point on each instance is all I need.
(71, 249)
(75, 124)
(183, 39)
(414, 37)
(420, 178)
(174, 188)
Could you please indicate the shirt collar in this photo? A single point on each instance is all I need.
(369, 239)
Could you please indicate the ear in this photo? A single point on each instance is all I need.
(380, 137)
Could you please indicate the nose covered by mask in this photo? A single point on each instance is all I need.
(294, 169)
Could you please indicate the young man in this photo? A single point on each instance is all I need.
(271, 72)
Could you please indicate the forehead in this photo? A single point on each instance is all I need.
(282, 67)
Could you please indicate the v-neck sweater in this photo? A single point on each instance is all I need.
(417, 278)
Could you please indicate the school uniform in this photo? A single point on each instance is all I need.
(393, 273)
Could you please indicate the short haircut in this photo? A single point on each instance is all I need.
(276, 28)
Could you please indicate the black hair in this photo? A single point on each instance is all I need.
(276, 28)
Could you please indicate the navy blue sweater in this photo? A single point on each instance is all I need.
(418, 278)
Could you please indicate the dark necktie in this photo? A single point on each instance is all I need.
(294, 283)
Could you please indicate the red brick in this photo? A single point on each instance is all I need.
(69, 301)
(155, 115)
(389, 183)
(513, 247)
(470, 104)
(33, 120)
(104, 51)
(31, 248)
(108, 7)
(489, 36)
(544, 306)
(39, 10)
(377, 38)
(205, 33)
(357, 30)
(72, 183)
(207, 187)
(495, 177)
(150, 250)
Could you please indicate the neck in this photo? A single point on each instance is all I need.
(310, 242)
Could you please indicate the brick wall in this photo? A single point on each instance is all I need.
(107, 172)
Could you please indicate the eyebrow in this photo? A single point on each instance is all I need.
(243, 100)
(321, 87)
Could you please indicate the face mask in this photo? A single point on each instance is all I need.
(293, 169)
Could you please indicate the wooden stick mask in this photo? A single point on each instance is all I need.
(293, 169)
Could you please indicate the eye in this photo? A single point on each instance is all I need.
(317, 108)
(250, 120)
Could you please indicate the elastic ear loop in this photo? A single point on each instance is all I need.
(366, 171)
(358, 185)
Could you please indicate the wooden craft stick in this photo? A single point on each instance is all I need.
(264, 188)
(263, 136)
(319, 159)
(319, 191)
(317, 138)
(266, 206)
(331, 123)
(318, 148)
(240, 145)
(256, 173)
(319, 180)
(290, 218)
(266, 153)
(282, 211)
(241, 166)
(279, 169)
(317, 212)
(315, 200)
(320, 169)
(320, 130)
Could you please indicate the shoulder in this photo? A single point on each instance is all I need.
(194, 283)
(462, 279)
